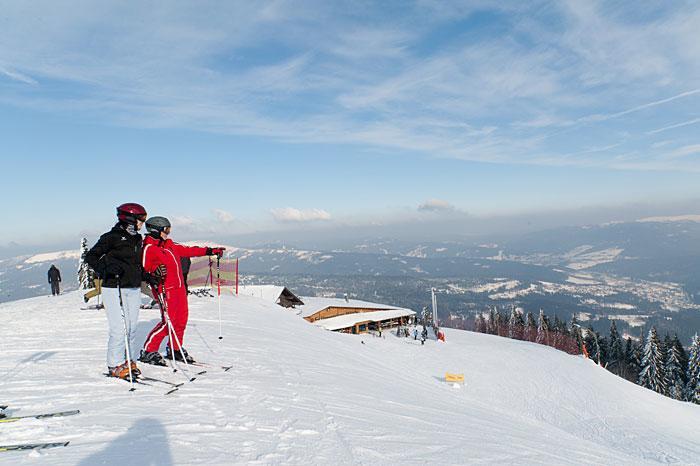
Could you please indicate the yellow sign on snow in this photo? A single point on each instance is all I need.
(454, 377)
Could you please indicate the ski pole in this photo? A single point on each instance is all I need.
(164, 316)
(126, 337)
(185, 370)
(218, 285)
(171, 333)
(161, 301)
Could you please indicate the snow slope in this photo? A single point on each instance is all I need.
(298, 394)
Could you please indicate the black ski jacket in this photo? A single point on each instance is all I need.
(117, 252)
(54, 274)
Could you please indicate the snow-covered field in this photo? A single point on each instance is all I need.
(587, 260)
(300, 395)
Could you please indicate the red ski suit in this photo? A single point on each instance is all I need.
(168, 253)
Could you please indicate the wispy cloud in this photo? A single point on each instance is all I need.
(292, 215)
(314, 73)
(223, 216)
(677, 125)
(17, 76)
(436, 205)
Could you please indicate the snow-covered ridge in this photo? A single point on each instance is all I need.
(677, 218)
(591, 259)
(300, 395)
(53, 256)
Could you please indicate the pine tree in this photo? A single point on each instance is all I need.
(592, 342)
(631, 365)
(492, 322)
(555, 336)
(638, 355)
(515, 324)
(652, 368)
(666, 344)
(480, 323)
(542, 329)
(692, 387)
(564, 343)
(674, 373)
(499, 325)
(616, 358)
(530, 327)
(575, 332)
(86, 276)
(682, 356)
(604, 350)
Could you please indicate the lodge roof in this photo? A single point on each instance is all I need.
(312, 305)
(349, 320)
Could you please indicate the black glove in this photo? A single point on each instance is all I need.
(161, 272)
(218, 252)
(151, 280)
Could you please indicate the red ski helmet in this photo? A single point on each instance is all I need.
(130, 212)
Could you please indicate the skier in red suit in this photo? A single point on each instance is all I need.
(161, 259)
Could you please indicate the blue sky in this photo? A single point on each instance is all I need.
(237, 117)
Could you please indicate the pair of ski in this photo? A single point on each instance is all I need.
(143, 380)
(35, 446)
(197, 374)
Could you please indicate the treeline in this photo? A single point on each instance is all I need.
(662, 366)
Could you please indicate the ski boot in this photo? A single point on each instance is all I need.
(121, 371)
(152, 357)
(178, 355)
(135, 371)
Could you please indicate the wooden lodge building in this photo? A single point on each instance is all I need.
(352, 315)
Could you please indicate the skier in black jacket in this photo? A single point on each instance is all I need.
(116, 259)
(54, 280)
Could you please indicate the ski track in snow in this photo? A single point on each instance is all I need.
(298, 394)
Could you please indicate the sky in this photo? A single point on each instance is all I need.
(244, 118)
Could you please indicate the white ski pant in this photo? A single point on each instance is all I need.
(131, 301)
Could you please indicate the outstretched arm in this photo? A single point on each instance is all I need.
(196, 251)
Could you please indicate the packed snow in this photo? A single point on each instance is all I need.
(298, 394)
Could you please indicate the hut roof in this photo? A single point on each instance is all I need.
(349, 320)
(313, 305)
(273, 293)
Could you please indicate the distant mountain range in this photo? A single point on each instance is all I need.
(634, 271)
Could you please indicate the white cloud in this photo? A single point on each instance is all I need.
(183, 221)
(685, 151)
(436, 205)
(674, 126)
(17, 76)
(223, 216)
(292, 215)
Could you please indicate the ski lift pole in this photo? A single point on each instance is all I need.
(218, 285)
(435, 317)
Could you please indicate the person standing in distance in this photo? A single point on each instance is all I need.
(116, 259)
(161, 259)
(54, 280)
